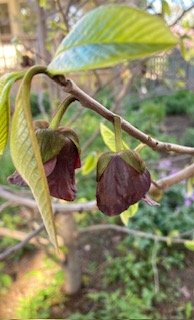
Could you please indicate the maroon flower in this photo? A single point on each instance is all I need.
(60, 154)
(122, 180)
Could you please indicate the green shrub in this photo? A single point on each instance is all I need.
(152, 111)
(5, 279)
(188, 138)
(172, 214)
(38, 305)
(114, 305)
(180, 102)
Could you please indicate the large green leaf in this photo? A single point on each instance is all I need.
(6, 82)
(26, 155)
(109, 35)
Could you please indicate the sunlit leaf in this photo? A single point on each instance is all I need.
(190, 183)
(129, 213)
(172, 234)
(184, 51)
(6, 83)
(165, 8)
(89, 164)
(42, 3)
(109, 35)
(189, 244)
(140, 147)
(26, 156)
(108, 137)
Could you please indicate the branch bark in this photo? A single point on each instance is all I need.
(136, 233)
(175, 178)
(88, 102)
(21, 236)
(182, 15)
(16, 198)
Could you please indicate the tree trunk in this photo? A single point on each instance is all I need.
(66, 228)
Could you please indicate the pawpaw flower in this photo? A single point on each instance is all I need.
(122, 180)
(60, 154)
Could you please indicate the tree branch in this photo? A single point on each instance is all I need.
(15, 197)
(64, 15)
(21, 244)
(182, 15)
(21, 236)
(175, 178)
(70, 87)
(100, 227)
(136, 233)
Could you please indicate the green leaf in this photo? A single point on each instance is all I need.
(140, 147)
(42, 3)
(190, 183)
(26, 155)
(129, 213)
(6, 83)
(172, 234)
(109, 35)
(108, 137)
(165, 8)
(189, 244)
(89, 164)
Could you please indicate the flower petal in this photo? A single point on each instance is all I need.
(62, 180)
(120, 186)
(15, 178)
(49, 166)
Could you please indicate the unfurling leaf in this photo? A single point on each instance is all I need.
(6, 83)
(26, 155)
(89, 164)
(109, 35)
(109, 137)
(129, 213)
(140, 147)
(189, 244)
(165, 8)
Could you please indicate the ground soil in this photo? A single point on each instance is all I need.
(93, 250)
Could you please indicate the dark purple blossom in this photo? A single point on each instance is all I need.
(59, 170)
(119, 184)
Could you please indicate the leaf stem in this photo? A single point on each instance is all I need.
(55, 122)
(118, 133)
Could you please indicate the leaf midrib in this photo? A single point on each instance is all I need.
(65, 49)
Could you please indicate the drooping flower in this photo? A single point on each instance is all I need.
(60, 154)
(122, 180)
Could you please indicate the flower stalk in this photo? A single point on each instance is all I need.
(118, 134)
(55, 122)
